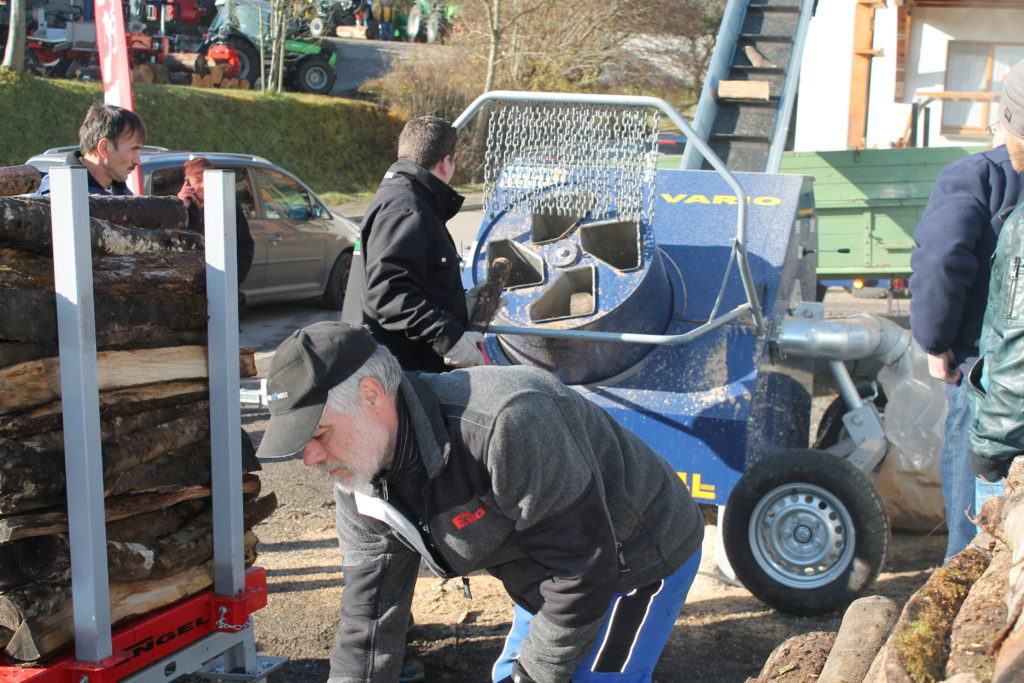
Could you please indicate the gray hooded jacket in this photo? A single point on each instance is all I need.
(530, 481)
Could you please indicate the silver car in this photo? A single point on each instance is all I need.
(302, 249)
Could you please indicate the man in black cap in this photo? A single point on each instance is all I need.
(405, 285)
(594, 536)
(955, 241)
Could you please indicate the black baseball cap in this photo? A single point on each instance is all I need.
(305, 367)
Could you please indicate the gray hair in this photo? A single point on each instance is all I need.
(382, 366)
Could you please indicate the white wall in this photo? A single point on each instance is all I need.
(823, 107)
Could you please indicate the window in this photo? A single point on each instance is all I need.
(282, 197)
(975, 68)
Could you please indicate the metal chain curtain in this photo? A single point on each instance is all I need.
(600, 158)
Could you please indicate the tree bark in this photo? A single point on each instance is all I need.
(191, 62)
(25, 224)
(37, 382)
(979, 621)
(866, 625)
(44, 631)
(146, 211)
(47, 559)
(14, 55)
(16, 527)
(19, 180)
(798, 659)
(917, 649)
(116, 403)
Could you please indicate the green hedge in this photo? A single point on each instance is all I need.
(334, 145)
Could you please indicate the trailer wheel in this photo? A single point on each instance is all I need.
(831, 429)
(805, 531)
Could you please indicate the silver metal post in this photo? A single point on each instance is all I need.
(76, 329)
(225, 414)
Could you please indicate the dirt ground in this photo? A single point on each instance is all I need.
(723, 635)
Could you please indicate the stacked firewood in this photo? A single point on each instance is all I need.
(188, 68)
(964, 625)
(151, 319)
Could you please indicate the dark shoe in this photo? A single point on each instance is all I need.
(412, 670)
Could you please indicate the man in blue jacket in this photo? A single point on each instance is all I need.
(109, 143)
(955, 241)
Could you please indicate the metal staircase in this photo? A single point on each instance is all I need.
(750, 88)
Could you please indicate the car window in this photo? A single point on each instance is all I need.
(167, 181)
(281, 195)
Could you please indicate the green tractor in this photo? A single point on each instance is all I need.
(430, 21)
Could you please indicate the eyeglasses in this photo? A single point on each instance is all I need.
(992, 128)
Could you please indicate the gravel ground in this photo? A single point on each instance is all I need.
(723, 634)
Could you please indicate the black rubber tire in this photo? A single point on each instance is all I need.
(784, 521)
(249, 58)
(869, 292)
(831, 429)
(314, 75)
(416, 24)
(437, 28)
(334, 294)
(371, 31)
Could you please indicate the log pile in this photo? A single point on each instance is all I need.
(187, 68)
(150, 307)
(965, 625)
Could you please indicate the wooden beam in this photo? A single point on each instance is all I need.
(744, 90)
(903, 32)
(860, 76)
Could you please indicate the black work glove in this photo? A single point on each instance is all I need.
(988, 469)
(519, 675)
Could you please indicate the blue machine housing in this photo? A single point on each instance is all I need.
(711, 406)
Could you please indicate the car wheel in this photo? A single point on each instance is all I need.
(315, 75)
(334, 294)
(248, 58)
(805, 531)
(416, 27)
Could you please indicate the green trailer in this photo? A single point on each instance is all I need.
(868, 204)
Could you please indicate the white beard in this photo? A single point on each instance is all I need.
(363, 461)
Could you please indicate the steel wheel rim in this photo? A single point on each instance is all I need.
(316, 78)
(801, 535)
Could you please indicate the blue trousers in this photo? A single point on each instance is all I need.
(632, 636)
(957, 478)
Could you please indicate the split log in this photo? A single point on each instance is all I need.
(149, 526)
(47, 559)
(15, 527)
(151, 73)
(488, 298)
(192, 62)
(918, 647)
(979, 621)
(32, 479)
(798, 659)
(113, 404)
(33, 383)
(217, 74)
(243, 84)
(25, 224)
(45, 632)
(19, 180)
(865, 628)
(181, 78)
(197, 81)
(152, 213)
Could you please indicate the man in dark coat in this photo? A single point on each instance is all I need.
(405, 285)
(955, 241)
(193, 194)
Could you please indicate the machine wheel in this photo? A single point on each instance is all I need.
(436, 29)
(249, 59)
(416, 26)
(315, 75)
(371, 31)
(318, 26)
(831, 429)
(805, 531)
(334, 294)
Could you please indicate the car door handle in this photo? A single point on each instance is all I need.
(274, 238)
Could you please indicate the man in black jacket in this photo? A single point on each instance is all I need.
(405, 285)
